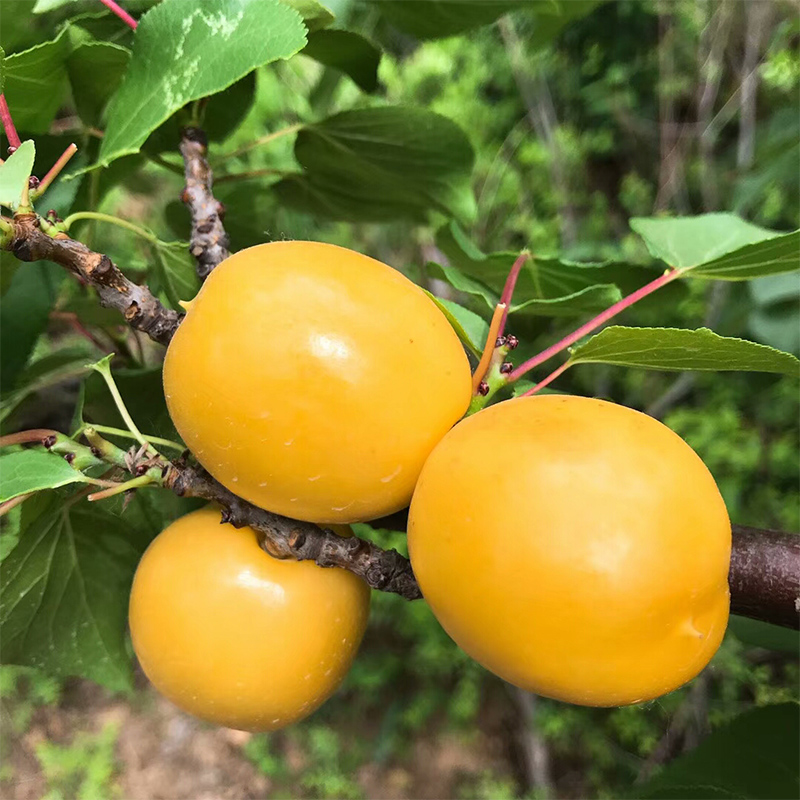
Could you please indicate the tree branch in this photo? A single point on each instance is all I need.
(209, 243)
(141, 309)
(765, 575)
(282, 537)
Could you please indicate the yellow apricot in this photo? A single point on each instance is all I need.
(235, 636)
(314, 381)
(574, 547)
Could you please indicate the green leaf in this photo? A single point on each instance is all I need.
(471, 329)
(26, 471)
(199, 50)
(24, 312)
(36, 83)
(14, 174)
(348, 52)
(2, 69)
(586, 300)
(761, 634)
(43, 6)
(95, 70)
(721, 246)
(9, 531)
(546, 286)
(223, 114)
(433, 19)
(753, 757)
(47, 371)
(64, 596)
(315, 15)
(382, 163)
(177, 275)
(16, 28)
(678, 349)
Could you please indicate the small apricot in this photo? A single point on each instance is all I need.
(574, 547)
(314, 381)
(235, 636)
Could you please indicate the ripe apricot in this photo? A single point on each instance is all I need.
(236, 637)
(576, 548)
(314, 381)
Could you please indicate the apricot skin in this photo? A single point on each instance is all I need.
(236, 637)
(576, 548)
(314, 381)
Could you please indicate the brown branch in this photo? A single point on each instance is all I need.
(209, 242)
(765, 575)
(282, 537)
(141, 309)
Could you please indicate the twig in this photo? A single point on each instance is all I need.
(282, 537)
(141, 309)
(209, 242)
(765, 575)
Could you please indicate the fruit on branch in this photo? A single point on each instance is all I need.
(574, 547)
(235, 636)
(314, 381)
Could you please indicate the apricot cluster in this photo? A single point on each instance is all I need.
(576, 548)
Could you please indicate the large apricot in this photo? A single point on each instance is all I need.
(574, 547)
(237, 637)
(314, 381)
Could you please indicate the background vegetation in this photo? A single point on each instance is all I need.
(579, 121)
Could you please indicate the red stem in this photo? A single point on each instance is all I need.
(121, 13)
(8, 123)
(549, 379)
(595, 323)
(508, 289)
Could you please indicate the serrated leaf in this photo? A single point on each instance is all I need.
(678, 349)
(95, 70)
(14, 174)
(64, 596)
(471, 328)
(177, 274)
(315, 15)
(2, 69)
(36, 83)
(382, 163)
(199, 50)
(224, 112)
(720, 245)
(753, 757)
(26, 471)
(347, 52)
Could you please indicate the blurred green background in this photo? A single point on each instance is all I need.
(639, 107)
